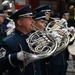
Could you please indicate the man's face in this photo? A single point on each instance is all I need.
(47, 16)
(40, 24)
(26, 24)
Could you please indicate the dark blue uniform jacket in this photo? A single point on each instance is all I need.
(11, 46)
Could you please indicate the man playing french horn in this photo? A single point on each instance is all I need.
(15, 53)
(11, 48)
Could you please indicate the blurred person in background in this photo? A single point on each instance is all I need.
(2, 26)
(47, 8)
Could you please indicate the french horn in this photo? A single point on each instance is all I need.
(61, 34)
(71, 46)
(45, 43)
(42, 44)
(10, 26)
(58, 24)
(68, 33)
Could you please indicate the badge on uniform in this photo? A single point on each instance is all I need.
(2, 52)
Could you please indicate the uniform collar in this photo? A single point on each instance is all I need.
(24, 35)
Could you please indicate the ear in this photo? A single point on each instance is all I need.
(19, 22)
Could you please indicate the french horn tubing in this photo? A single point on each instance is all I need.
(61, 34)
(42, 44)
(48, 42)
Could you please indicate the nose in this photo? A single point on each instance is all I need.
(32, 20)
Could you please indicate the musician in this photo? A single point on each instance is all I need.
(7, 20)
(11, 48)
(2, 26)
(40, 20)
(59, 62)
(55, 18)
(64, 16)
(40, 23)
(44, 7)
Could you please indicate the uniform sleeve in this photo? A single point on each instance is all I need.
(7, 58)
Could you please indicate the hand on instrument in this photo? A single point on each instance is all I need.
(20, 55)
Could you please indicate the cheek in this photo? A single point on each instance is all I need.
(27, 22)
(1, 20)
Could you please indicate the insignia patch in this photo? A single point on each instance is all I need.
(2, 52)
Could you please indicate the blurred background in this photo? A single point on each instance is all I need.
(56, 6)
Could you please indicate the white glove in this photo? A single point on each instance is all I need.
(72, 29)
(65, 30)
(63, 22)
(55, 34)
(20, 56)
